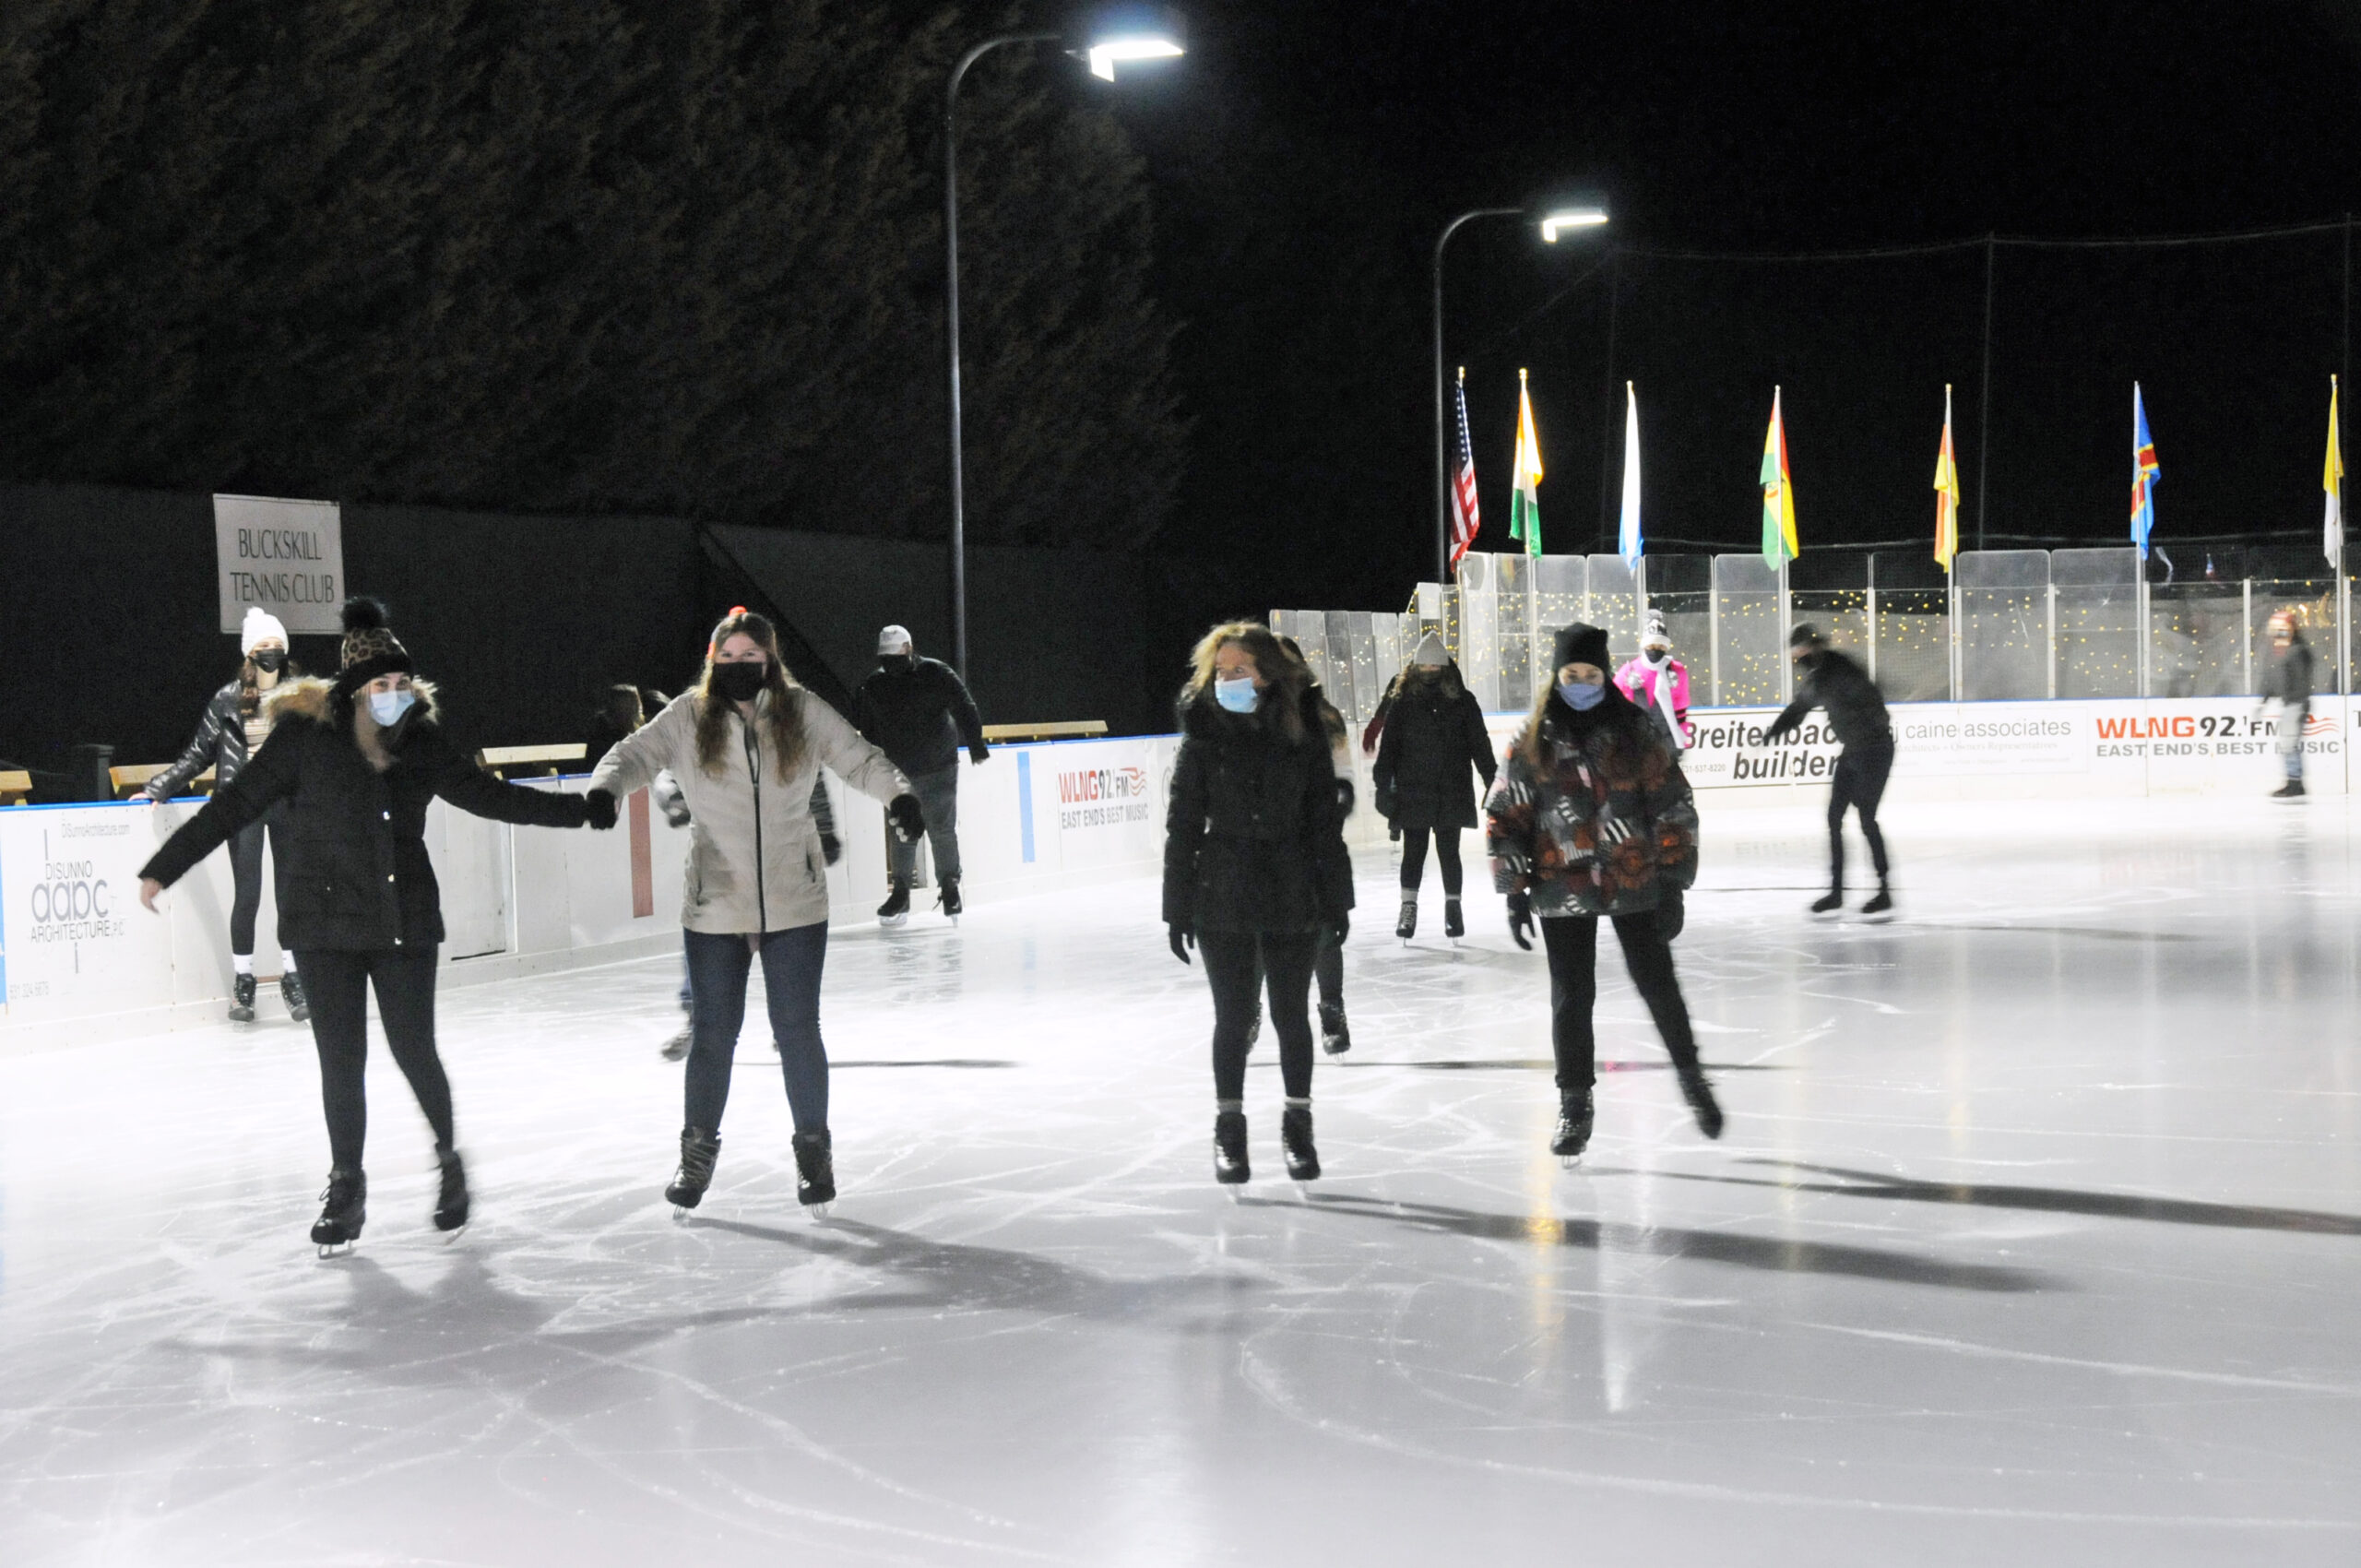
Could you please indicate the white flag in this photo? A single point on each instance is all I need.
(1628, 543)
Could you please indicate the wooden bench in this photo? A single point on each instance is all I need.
(16, 788)
(1054, 730)
(529, 762)
(130, 780)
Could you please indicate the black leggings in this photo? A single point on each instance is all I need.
(1233, 970)
(245, 872)
(1860, 782)
(337, 984)
(1572, 941)
(1414, 858)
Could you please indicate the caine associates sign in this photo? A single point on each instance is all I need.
(283, 556)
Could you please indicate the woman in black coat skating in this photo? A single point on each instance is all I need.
(356, 762)
(1433, 735)
(1256, 872)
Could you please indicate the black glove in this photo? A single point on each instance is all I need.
(1393, 833)
(1521, 919)
(675, 810)
(1344, 796)
(1339, 928)
(1672, 915)
(599, 810)
(1384, 800)
(978, 753)
(1183, 940)
(831, 849)
(908, 819)
(1776, 733)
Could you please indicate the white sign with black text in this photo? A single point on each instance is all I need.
(285, 556)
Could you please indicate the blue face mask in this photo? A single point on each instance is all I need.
(1580, 696)
(1238, 696)
(387, 708)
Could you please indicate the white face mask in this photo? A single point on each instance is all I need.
(387, 708)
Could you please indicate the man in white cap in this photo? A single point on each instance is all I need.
(918, 713)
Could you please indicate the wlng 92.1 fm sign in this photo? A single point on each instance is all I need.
(284, 556)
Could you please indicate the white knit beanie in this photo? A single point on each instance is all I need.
(260, 626)
(1431, 651)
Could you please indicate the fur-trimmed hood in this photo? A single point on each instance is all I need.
(315, 699)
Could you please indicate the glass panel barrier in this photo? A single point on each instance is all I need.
(1748, 652)
(2005, 641)
(2096, 595)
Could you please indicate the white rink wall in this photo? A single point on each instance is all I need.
(82, 962)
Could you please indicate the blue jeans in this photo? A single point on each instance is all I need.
(718, 969)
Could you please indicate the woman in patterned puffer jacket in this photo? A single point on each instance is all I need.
(1592, 816)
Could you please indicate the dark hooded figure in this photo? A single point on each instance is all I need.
(1831, 681)
(1433, 735)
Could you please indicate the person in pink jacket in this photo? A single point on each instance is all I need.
(1657, 683)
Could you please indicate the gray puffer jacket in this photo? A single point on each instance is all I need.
(755, 857)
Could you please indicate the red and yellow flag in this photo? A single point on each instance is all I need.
(1946, 492)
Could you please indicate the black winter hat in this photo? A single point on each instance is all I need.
(1579, 643)
(1806, 635)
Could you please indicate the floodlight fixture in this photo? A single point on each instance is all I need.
(1565, 217)
(1130, 34)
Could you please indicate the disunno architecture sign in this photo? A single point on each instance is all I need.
(287, 556)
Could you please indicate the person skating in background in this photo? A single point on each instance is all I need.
(1433, 736)
(236, 721)
(356, 762)
(1832, 681)
(1255, 871)
(1592, 816)
(2288, 682)
(618, 711)
(1328, 967)
(918, 711)
(1657, 683)
(745, 747)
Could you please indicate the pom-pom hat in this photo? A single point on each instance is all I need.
(371, 649)
(259, 626)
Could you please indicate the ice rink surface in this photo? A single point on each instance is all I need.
(2035, 1237)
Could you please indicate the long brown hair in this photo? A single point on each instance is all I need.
(1283, 697)
(250, 683)
(786, 715)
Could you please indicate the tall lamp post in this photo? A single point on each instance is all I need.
(1554, 222)
(1124, 35)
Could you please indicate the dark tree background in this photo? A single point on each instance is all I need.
(591, 256)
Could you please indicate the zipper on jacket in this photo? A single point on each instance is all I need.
(755, 772)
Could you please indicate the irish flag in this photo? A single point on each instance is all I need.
(2333, 480)
(1524, 502)
(1946, 492)
(1779, 545)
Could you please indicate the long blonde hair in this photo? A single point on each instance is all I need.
(1283, 695)
(785, 715)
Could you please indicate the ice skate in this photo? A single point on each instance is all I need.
(1702, 1103)
(1576, 1117)
(1833, 899)
(344, 1208)
(1453, 925)
(897, 908)
(2290, 791)
(815, 1173)
(1295, 1141)
(1335, 1039)
(1408, 926)
(1880, 905)
(291, 992)
(451, 1203)
(699, 1149)
(949, 901)
(1230, 1167)
(242, 998)
(678, 1046)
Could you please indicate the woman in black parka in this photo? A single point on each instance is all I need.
(1433, 735)
(1255, 870)
(356, 763)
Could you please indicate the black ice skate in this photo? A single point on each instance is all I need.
(678, 1046)
(1295, 1141)
(1702, 1103)
(1880, 905)
(344, 1208)
(952, 907)
(290, 990)
(1576, 1117)
(815, 1171)
(1229, 1148)
(1832, 899)
(451, 1203)
(1408, 926)
(699, 1149)
(2289, 790)
(242, 999)
(897, 908)
(1335, 1038)
(1453, 926)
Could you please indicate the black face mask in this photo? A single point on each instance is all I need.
(893, 663)
(269, 660)
(740, 682)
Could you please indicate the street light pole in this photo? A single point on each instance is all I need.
(951, 330)
(1443, 426)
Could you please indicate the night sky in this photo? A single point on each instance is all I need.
(1304, 155)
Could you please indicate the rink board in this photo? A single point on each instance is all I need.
(79, 960)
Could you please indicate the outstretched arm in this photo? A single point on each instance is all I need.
(270, 775)
(454, 776)
(854, 760)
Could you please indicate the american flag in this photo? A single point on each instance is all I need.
(1465, 519)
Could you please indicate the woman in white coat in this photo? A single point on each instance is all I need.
(746, 746)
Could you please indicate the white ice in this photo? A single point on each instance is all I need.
(2035, 1237)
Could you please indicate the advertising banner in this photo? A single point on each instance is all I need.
(287, 556)
(73, 937)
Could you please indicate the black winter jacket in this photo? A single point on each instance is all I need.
(1856, 707)
(220, 744)
(1433, 734)
(920, 716)
(1253, 837)
(356, 873)
(2290, 676)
